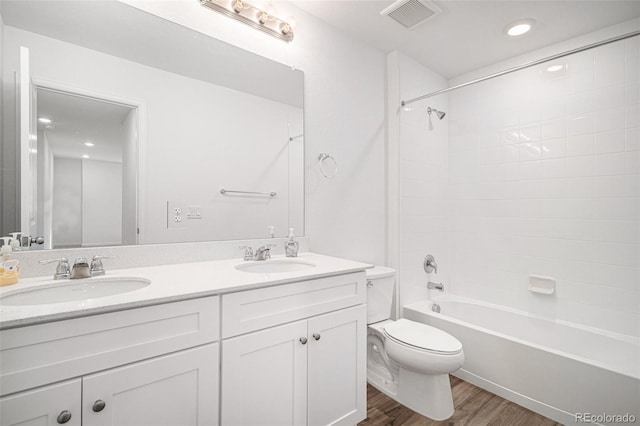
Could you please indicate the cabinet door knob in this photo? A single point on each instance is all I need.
(98, 406)
(316, 336)
(64, 417)
(303, 340)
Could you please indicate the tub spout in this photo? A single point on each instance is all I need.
(435, 286)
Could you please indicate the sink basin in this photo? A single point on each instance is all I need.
(73, 290)
(276, 266)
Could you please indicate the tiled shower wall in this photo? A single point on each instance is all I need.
(543, 179)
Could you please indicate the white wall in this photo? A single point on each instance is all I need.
(101, 203)
(422, 196)
(67, 203)
(344, 117)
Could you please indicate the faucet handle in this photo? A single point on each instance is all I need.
(96, 265)
(62, 270)
(248, 252)
(430, 264)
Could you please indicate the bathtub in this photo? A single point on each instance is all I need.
(569, 373)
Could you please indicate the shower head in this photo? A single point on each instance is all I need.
(440, 114)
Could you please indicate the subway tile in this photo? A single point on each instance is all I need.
(580, 62)
(580, 166)
(529, 151)
(632, 68)
(580, 82)
(609, 208)
(610, 97)
(609, 63)
(632, 186)
(581, 124)
(632, 116)
(554, 168)
(509, 136)
(633, 139)
(610, 119)
(554, 129)
(632, 162)
(580, 144)
(609, 186)
(529, 134)
(554, 148)
(611, 253)
(610, 231)
(612, 141)
(632, 92)
(632, 209)
(580, 103)
(530, 170)
(609, 164)
(509, 153)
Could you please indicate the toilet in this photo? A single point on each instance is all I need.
(407, 360)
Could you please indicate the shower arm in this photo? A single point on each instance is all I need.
(523, 66)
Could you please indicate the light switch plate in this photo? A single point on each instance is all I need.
(194, 212)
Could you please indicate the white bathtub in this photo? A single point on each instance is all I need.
(557, 369)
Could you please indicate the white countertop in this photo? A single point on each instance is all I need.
(169, 283)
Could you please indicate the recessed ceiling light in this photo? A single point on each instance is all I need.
(519, 27)
(85, 156)
(89, 143)
(554, 68)
(44, 120)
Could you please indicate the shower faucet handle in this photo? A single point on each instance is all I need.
(430, 264)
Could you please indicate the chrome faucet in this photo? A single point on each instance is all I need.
(435, 286)
(62, 270)
(264, 252)
(96, 267)
(80, 268)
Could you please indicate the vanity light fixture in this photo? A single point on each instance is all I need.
(263, 20)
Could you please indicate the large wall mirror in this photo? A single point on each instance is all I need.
(123, 128)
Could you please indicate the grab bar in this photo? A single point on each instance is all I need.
(268, 194)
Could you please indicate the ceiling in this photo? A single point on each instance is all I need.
(469, 35)
(76, 120)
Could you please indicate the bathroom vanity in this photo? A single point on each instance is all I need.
(204, 344)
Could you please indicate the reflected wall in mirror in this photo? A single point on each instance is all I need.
(191, 115)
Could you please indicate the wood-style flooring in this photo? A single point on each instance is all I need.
(473, 406)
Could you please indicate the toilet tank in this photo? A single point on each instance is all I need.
(380, 284)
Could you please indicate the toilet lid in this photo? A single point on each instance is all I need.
(422, 336)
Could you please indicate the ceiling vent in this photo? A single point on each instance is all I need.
(410, 13)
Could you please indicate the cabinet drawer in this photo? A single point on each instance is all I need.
(46, 353)
(252, 310)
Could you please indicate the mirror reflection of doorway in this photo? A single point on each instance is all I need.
(86, 180)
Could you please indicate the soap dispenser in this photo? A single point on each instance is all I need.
(291, 245)
(9, 268)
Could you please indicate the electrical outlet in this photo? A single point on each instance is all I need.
(176, 214)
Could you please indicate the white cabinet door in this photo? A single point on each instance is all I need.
(337, 367)
(44, 406)
(176, 389)
(264, 377)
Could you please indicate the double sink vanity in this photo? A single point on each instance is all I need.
(275, 342)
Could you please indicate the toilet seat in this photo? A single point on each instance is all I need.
(422, 337)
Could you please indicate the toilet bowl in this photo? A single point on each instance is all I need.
(406, 360)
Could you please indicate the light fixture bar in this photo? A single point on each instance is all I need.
(252, 16)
